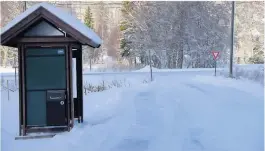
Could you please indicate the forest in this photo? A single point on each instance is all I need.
(183, 34)
(177, 34)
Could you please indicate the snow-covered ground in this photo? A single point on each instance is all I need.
(179, 111)
(6, 70)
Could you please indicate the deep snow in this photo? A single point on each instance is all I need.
(177, 112)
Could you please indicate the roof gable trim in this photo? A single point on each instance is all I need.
(69, 24)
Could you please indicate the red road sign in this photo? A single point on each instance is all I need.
(215, 54)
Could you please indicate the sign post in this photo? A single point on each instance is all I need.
(215, 68)
(150, 63)
(215, 56)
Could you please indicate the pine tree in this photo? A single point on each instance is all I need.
(126, 9)
(88, 18)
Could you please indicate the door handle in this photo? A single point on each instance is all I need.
(62, 102)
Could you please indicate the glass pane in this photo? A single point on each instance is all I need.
(45, 72)
(74, 78)
(44, 29)
(36, 108)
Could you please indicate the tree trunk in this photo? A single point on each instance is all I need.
(170, 58)
(169, 62)
(90, 63)
(174, 61)
(180, 59)
(182, 29)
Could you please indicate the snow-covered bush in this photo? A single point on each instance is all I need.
(89, 88)
(113, 67)
(250, 72)
(105, 85)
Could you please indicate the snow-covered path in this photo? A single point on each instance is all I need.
(185, 113)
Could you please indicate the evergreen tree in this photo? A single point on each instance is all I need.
(124, 25)
(88, 18)
(88, 55)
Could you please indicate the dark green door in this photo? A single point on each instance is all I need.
(45, 71)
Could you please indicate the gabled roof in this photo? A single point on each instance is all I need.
(88, 36)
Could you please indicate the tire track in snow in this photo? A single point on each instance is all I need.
(194, 87)
(146, 123)
(185, 132)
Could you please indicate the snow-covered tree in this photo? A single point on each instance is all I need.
(172, 30)
(88, 18)
(249, 33)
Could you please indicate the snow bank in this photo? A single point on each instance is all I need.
(147, 69)
(254, 72)
(6, 70)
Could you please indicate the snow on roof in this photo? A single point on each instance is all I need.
(61, 14)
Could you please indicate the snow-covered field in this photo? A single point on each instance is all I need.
(179, 111)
